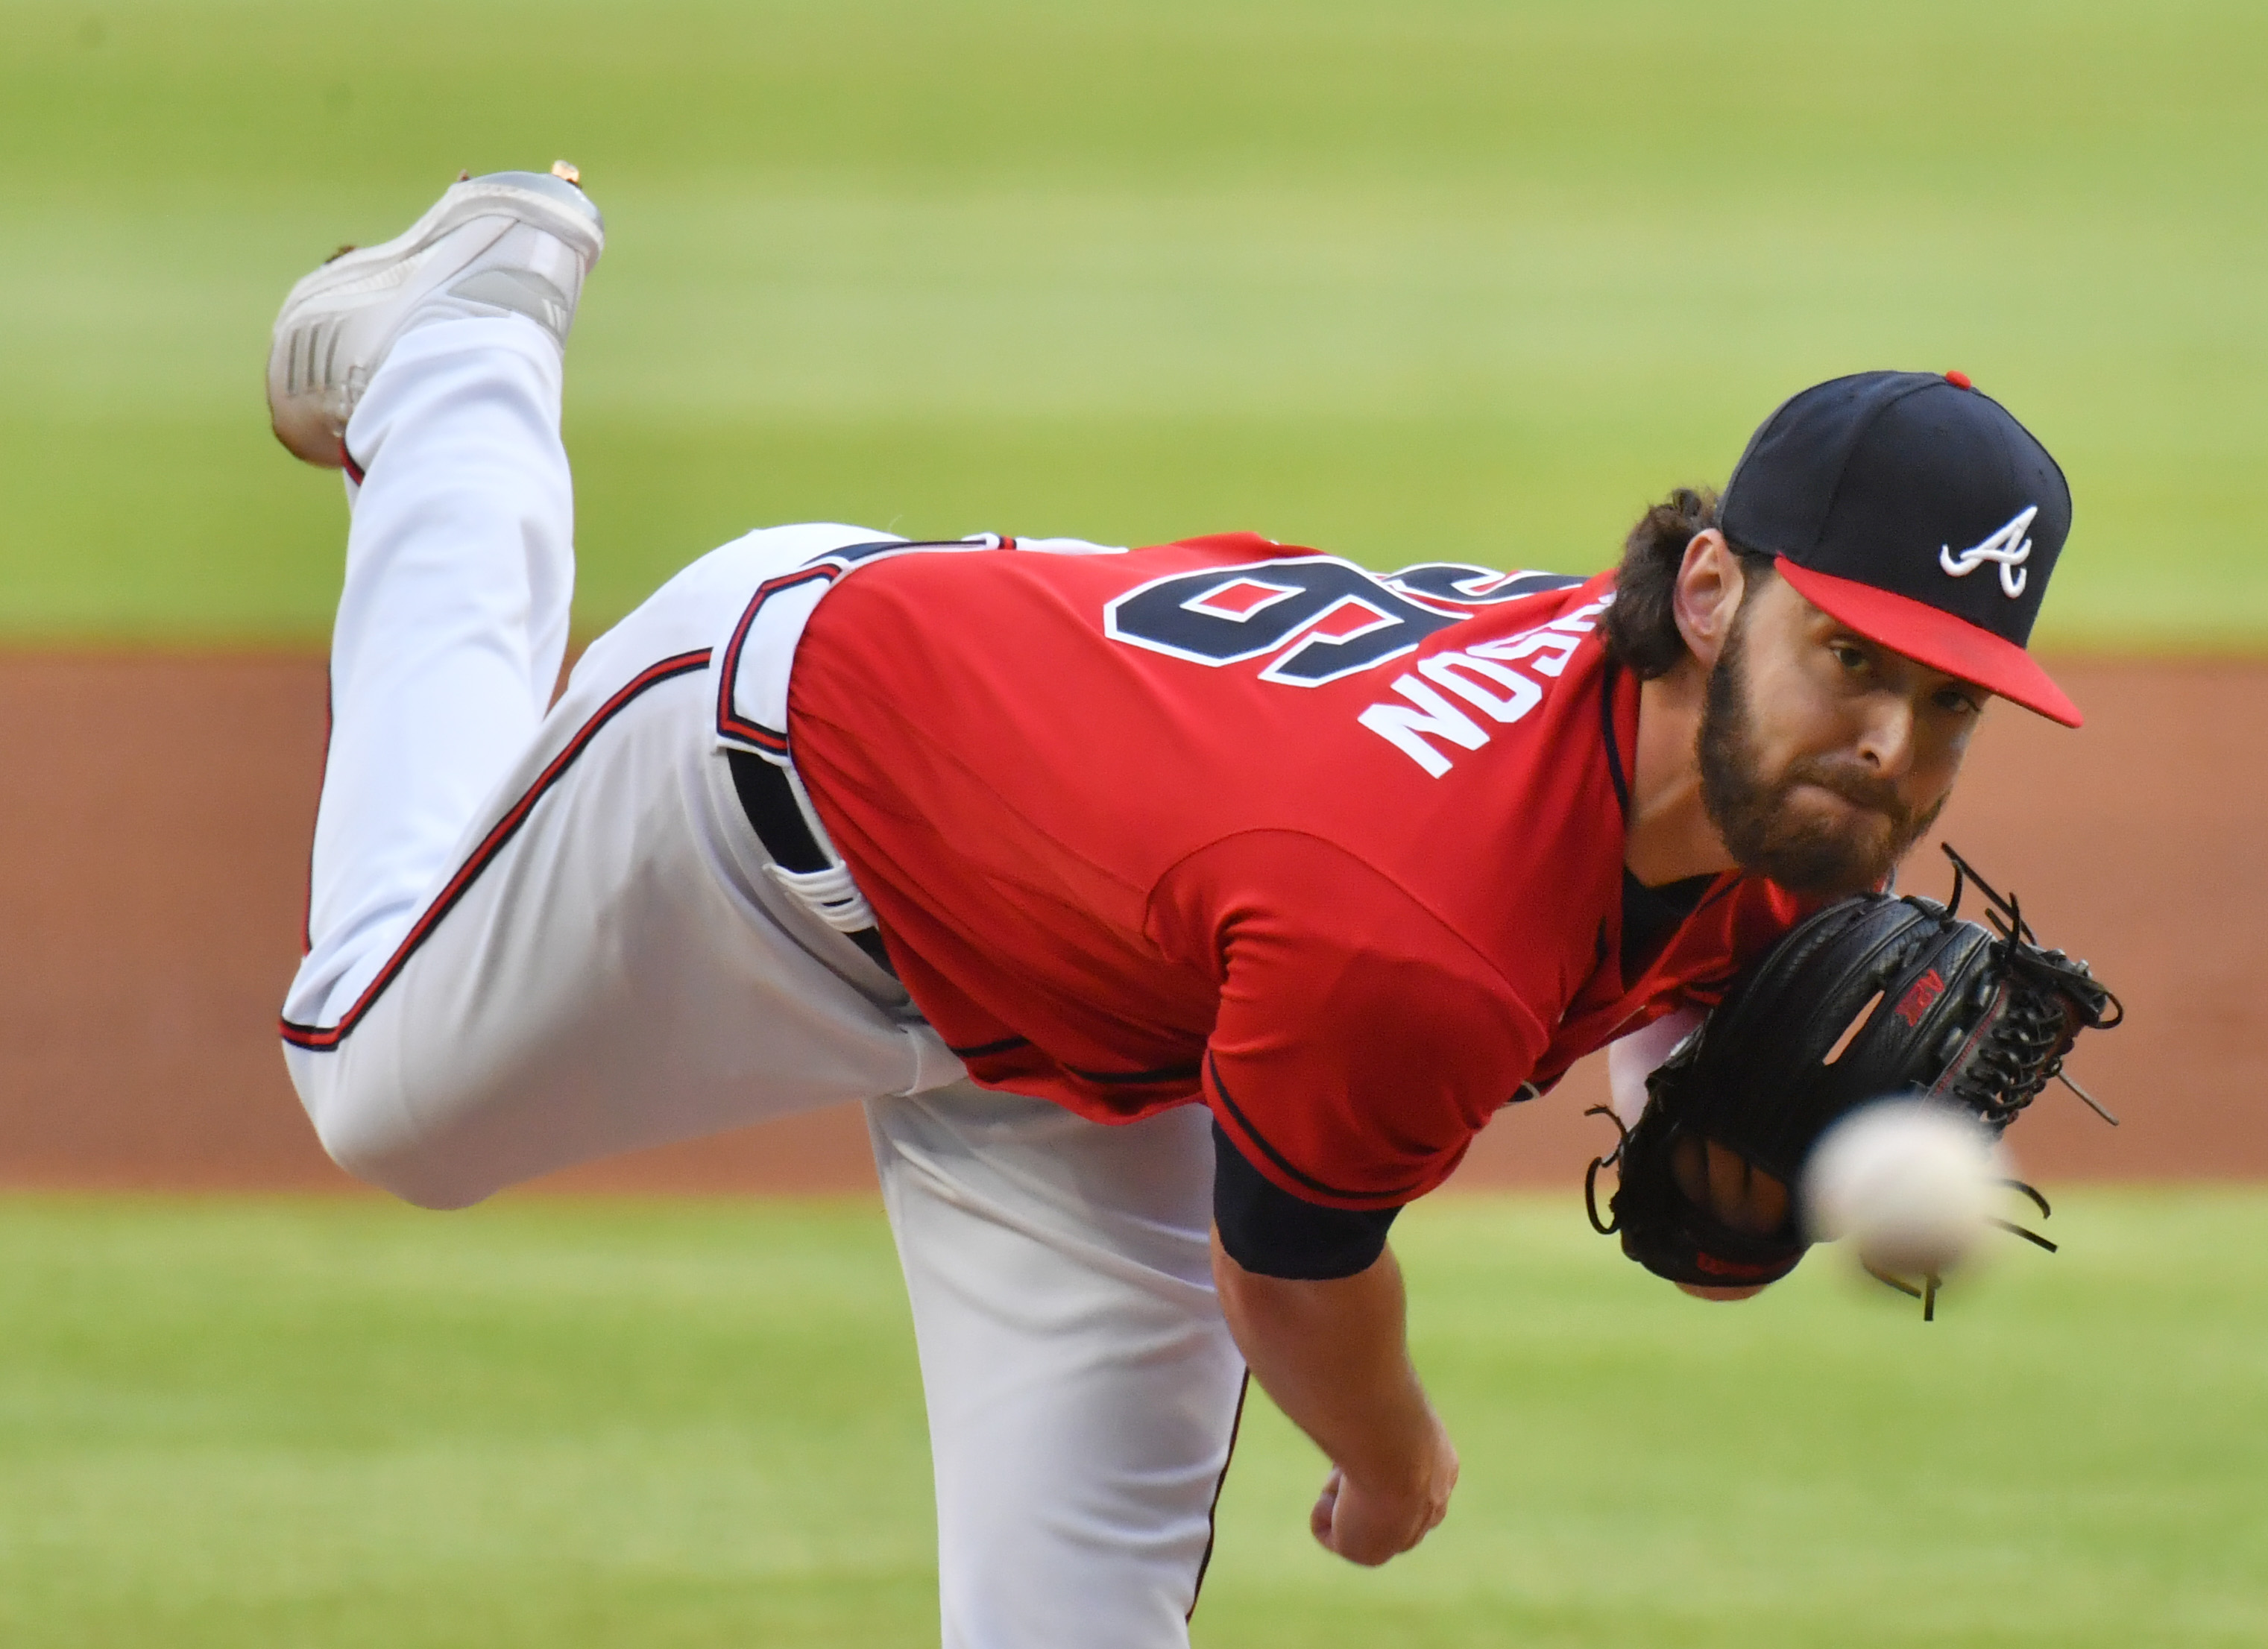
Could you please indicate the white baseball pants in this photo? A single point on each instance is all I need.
(536, 938)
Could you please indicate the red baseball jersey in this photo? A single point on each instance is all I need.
(1340, 853)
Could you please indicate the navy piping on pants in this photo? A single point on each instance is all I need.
(325, 1039)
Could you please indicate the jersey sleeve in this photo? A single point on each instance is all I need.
(1270, 1233)
(1360, 1043)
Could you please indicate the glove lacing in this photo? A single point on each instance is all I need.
(2049, 999)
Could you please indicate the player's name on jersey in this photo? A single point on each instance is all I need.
(1481, 675)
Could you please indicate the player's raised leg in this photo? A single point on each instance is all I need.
(429, 368)
(536, 938)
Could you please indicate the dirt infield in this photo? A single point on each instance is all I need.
(156, 813)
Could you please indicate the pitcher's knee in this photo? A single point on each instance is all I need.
(418, 1169)
(374, 1137)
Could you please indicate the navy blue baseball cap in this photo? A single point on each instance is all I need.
(1916, 510)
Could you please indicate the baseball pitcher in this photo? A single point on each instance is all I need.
(1179, 914)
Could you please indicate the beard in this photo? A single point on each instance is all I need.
(1765, 829)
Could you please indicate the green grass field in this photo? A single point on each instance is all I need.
(1437, 277)
(347, 1424)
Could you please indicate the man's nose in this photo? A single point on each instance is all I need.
(1885, 737)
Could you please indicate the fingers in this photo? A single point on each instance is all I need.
(1767, 1200)
(1728, 1186)
(1326, 1507)
(1362, 1531)
(1689, 1166)
(1357, 1526)
(1721, 1180)
(1440, 1505)
(1710, 1291)
(1369, 1529)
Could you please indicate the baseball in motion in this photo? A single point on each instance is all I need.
(1912, 1185)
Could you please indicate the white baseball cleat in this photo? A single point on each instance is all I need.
(508, 243)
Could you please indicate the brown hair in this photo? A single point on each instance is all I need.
(1641, 627)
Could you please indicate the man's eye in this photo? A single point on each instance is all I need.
(1960, 703)
(1849, 657)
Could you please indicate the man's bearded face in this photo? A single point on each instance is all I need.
(1770, 823)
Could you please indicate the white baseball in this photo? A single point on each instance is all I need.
(1912, 1185)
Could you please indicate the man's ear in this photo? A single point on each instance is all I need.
(1707, 595)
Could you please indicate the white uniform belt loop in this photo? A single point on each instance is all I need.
(830, 895)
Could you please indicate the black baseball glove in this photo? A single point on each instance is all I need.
(1872, 998)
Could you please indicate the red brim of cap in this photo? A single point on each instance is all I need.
(1932, 637)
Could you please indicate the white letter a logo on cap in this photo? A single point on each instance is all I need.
(2008, 547)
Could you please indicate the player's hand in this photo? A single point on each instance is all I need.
(1743, 1196)
(1367, 1526)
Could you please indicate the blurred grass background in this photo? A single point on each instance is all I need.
(679, 1425)
(1468, 278)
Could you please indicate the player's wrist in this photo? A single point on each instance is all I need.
(1400, 1458)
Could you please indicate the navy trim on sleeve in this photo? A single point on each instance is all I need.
(1272, 1232)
